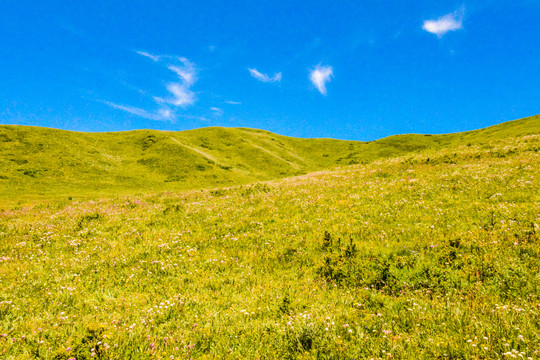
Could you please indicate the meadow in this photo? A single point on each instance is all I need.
(428, 253)
(43, 164)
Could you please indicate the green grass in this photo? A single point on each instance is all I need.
(39, 163)
(432, 254)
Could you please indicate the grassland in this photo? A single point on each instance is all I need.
(430, 254)
(40, 163)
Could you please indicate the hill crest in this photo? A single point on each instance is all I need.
(44, 162)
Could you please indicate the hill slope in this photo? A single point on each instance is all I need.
(426, 256)
(44, 162)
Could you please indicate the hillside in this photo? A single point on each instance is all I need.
(429, 255)
(39, 162)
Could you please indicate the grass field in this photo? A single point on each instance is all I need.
(39, 163)
(429, 250)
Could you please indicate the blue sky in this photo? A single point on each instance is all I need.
(356, 70)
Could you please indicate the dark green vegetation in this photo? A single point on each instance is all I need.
(45, 163)
(433, 254)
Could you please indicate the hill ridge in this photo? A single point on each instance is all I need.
(45, 162)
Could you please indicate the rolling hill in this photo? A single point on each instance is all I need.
(430, 255)
(43, 163)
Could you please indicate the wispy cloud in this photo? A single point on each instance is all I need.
(319, 76)
(181, 93)
(217, 111)
(233, 102)
(264, 77)
(148, 55)
(180, 90)
(185, 72)
(446, 23)
(162, 114)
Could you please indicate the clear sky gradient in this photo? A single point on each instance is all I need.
(357, 70)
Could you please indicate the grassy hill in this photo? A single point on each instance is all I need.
(39, 162)
(433, 254)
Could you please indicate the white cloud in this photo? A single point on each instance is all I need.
(148, 55)
(185, 71)
(263, 77)
(181, 95)
(217, 111)
(446, 23)
(180, 92)
(233, 102)
(161, 114)
(320, 76)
